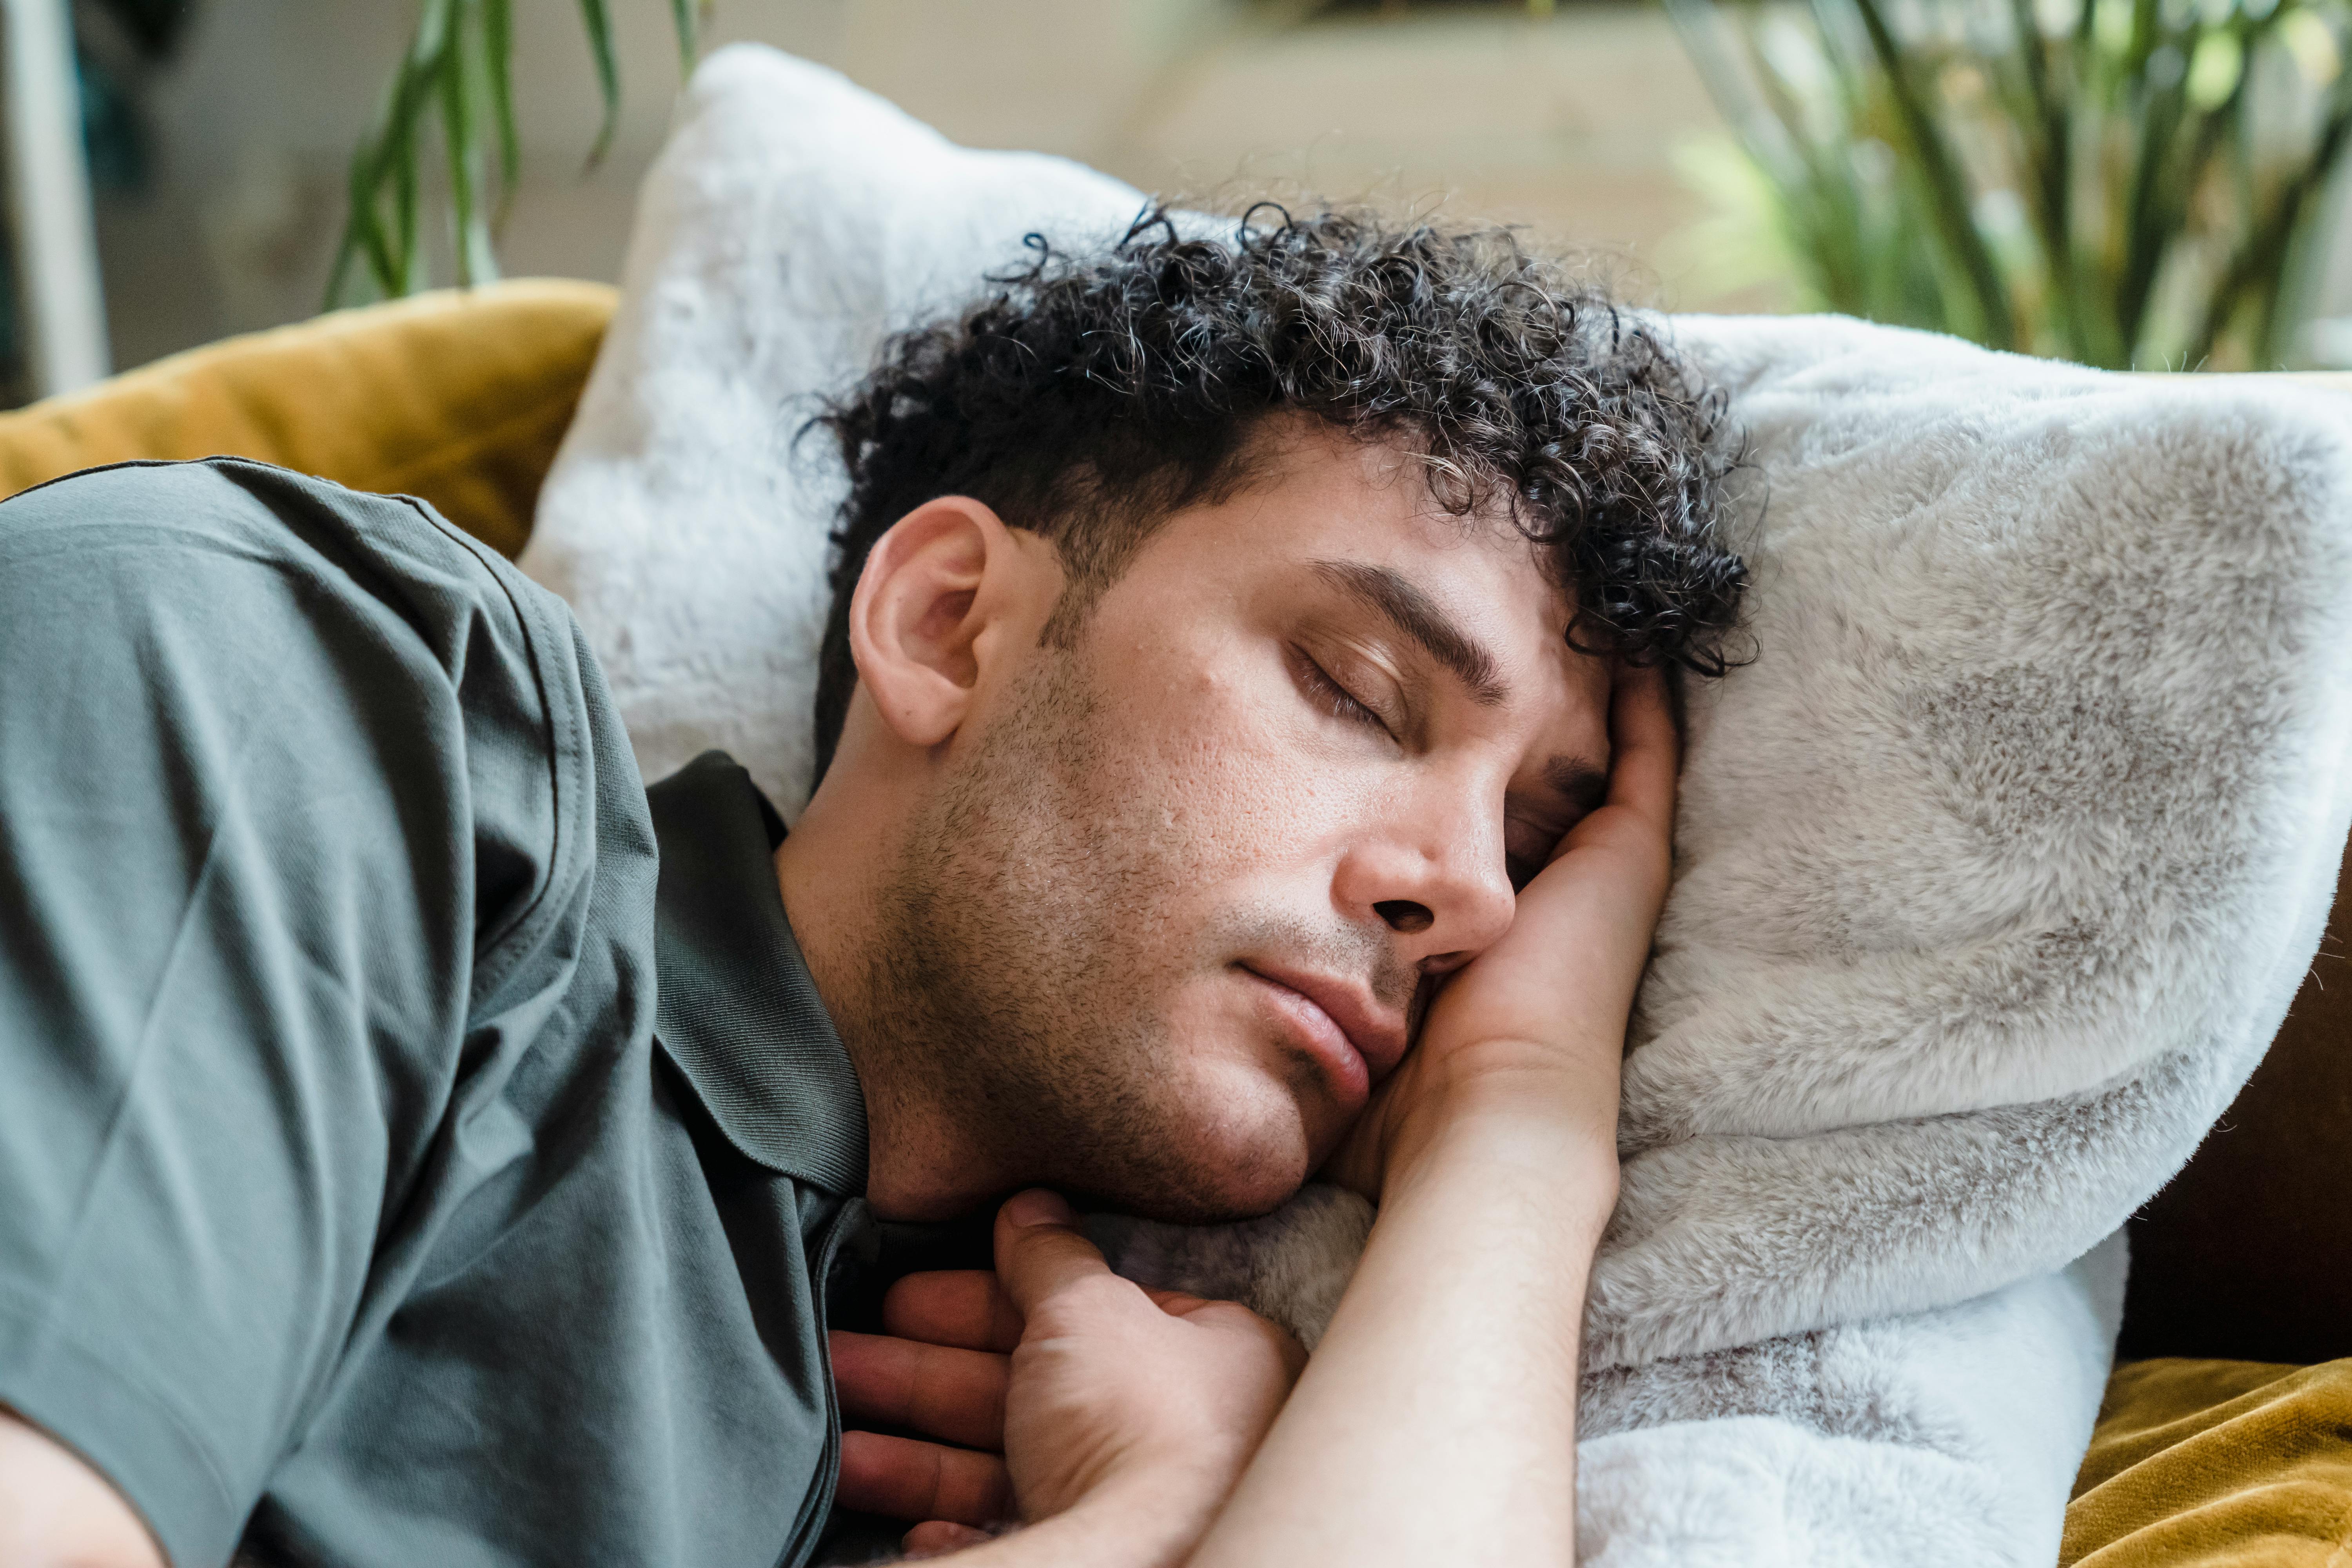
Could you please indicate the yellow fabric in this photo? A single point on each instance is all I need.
(2217, 1464)
(458, 397)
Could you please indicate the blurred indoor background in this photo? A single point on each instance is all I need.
(219, 133)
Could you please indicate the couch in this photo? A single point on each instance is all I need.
(2226, 1436)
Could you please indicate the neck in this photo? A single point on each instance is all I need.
(922, 1163)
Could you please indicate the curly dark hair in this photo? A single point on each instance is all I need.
(1088, 397)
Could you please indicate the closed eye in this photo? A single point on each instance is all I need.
(1333, 697)
(1530, 848)
(1523, 859)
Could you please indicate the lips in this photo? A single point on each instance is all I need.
(1376, 1034)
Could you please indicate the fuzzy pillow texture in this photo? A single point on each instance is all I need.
(1996, 869)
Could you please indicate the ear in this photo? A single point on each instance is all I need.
(942, 591)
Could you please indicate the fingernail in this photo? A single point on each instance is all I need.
(1038, 1206)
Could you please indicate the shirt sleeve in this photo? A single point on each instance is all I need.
(245, 720)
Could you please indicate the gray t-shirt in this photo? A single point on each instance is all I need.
(363, 1196)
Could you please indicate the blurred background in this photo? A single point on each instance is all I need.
(2149, 183)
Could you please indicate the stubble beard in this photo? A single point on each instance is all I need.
(1017, 988)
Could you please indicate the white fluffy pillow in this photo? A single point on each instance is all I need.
(1997, 869)
(793, 221)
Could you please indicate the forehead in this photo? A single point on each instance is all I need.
(1317, 498)
(1318, 495)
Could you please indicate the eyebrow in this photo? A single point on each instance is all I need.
(1398, 600)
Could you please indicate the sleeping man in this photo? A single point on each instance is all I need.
(1246, 755)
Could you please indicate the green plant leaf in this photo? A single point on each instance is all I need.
(2215, 68)
(408, 239)
(597, 18)
(2254, 276)
(1939, 171)
(2314, 47)
(497, 69)
(374, 165)
(459, 58)
(363, 239)
(2168, 199)
(460, 140)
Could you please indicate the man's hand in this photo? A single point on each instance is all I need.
(940, 1368)
(1139, 1407)
(1540, 1017)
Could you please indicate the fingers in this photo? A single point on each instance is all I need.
(956, 1395)
(1039, 1252)
(1231, 1317)
(899, 1478)
(1176, 1303)
(1648, 751)
(965, 1307)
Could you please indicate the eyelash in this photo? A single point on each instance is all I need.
(1341, 703)
(1335, 699)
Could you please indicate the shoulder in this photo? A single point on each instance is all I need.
(173, 531)
(261, 643)
(317, 619)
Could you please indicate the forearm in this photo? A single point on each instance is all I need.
(1437, 1420)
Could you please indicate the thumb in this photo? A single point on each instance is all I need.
(1039, 1251)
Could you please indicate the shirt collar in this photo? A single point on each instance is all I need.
(736, 1009)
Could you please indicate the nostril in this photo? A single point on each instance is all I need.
(1404, 915)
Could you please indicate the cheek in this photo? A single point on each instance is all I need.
(1236, 783)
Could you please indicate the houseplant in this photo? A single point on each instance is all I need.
(454, 85)
(2125, 182)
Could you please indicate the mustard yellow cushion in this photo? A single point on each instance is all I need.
(458, 397)
(2217, 1464)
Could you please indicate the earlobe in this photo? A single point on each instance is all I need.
(920, 611)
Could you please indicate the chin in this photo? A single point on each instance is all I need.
(1223, 1171)
(1203, 1206)
(1250, 1193)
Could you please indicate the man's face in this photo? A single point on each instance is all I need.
(1174, 913)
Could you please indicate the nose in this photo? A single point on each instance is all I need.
(1432, 870)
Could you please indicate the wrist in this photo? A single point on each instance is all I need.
(1149, 1521)
(1557, 1123)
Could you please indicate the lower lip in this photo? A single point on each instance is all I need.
(1322, 1038)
